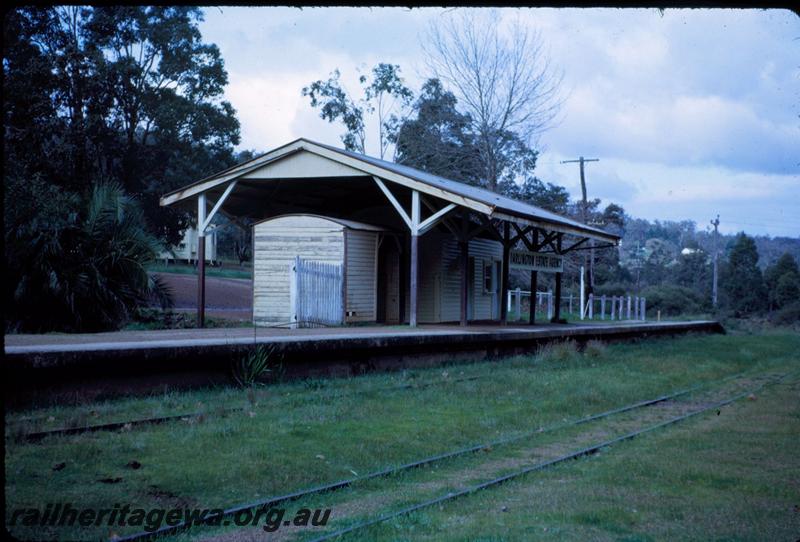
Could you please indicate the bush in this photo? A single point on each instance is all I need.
(612, 288)
(786, 316)
(76, 265)
(673, 300)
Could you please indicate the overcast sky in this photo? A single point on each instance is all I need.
(691, 112)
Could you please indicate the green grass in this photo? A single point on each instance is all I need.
(230, 271)
(727, 477)
(155, 319)
(295, 435)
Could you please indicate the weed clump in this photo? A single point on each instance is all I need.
(595, 349)
(561, 353)
(258, 364)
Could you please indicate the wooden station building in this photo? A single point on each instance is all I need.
(365, 240)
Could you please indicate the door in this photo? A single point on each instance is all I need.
(471, 289)
(496, 290)
(389, 283)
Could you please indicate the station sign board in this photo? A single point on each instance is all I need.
(535, 261)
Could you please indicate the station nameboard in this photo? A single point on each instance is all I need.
(533, 261)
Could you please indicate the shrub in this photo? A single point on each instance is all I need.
(76, 265)
(786, 316)
(673, 300)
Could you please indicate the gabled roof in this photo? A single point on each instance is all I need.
(352, 224)
(478, 199)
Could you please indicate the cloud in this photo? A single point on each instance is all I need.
(692, 112)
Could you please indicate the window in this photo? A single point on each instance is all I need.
(491, 276)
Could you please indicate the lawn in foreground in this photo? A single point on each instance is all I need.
(732, 476)
(297, 435)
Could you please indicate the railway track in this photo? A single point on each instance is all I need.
(486, 446)
(543, 465)
(36, 436)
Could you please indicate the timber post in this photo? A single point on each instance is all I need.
(201, 261)
(463, 245)
(504, 275)
(557, 311)
(414, 256)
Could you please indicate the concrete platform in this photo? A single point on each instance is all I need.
(136, 361)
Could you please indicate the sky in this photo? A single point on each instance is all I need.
(691, 113)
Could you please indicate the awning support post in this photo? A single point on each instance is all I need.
(463, 245)
(201, 260)
(504, 276)
(557, 311)
(414, 253)
(534, 275)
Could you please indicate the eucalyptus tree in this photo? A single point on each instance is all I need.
(127, 93)
(384, 94)
(503, 79)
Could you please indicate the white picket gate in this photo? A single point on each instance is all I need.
(316, 293)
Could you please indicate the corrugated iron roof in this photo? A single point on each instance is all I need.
(482, 195)
(499, 203)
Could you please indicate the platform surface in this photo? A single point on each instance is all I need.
(178, 338)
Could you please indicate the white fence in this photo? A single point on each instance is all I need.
(316, 293)
(615, 307)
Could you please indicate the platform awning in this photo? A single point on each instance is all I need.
(308, 177)
(326, 171)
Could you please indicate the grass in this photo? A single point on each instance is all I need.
(294, 435)
(727, 477)
(152, 319)
(232, 271)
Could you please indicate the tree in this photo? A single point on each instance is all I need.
(129, 94)
(787, 290)
(437, 139)
(742, 283)
(535, 192)
(780, 280)
(505, 84)
(384, 91)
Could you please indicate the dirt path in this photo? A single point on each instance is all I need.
(225, 297)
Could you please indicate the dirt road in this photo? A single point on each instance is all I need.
(225, 298)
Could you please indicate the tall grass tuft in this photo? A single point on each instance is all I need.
(257, 365)
(561, 353)
(595, 349)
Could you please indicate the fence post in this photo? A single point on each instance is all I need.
(643, 312)
(629, 308)
(636, 307)
(519, 303)
(549, 304)
(570, 303)
(603, 307)
(591, 306)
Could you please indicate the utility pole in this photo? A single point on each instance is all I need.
(584, 212)
(715, 223)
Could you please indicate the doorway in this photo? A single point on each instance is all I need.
(388, 302)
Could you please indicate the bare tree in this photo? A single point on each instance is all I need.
(503, 79)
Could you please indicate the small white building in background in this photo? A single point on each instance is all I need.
(186, 250)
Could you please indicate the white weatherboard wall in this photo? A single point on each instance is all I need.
(440, 278)
(278, 240)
